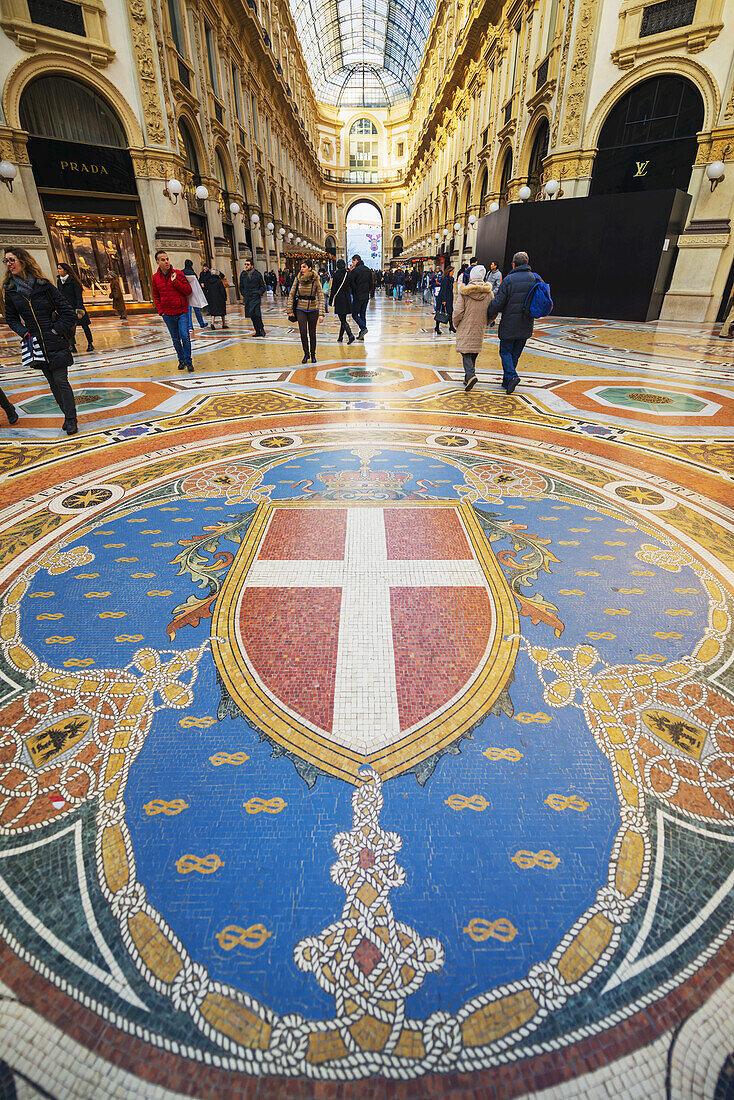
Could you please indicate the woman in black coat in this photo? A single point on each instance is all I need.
(70, 286)
(216, 295)
(341, 299)
(445, 299)
(31, 302)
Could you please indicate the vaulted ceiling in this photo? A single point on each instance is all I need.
(363, 53)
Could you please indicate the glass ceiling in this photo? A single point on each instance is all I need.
(362, 53)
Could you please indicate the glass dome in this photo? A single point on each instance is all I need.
(364, 53)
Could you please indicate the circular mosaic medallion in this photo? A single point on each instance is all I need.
(364, 759)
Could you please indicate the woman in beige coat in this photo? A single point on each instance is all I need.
(470, 319)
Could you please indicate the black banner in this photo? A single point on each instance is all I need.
(71, 166)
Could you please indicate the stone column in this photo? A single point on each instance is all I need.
(22, 222)
(706, 246)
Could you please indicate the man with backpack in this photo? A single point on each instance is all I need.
(522, 297)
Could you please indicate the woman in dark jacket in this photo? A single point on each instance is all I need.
(216, 295)
(30, 304)
(70, 286)
(445, 299)
(341, 299)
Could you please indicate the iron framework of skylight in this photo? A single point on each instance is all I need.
(362, 53)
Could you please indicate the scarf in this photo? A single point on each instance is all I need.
(23, 286)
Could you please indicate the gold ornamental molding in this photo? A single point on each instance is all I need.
(575, 165)
(578, 78)
(14, 145)
(145, 59)
(717, 145)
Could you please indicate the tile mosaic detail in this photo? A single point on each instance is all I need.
(488, 664)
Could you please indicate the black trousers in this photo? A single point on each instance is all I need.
(87, 331)
(7, 406)
(307, 321)
(257, 321)
(58, 381)
(344, 328)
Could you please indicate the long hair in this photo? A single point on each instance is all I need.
(70, 271)
(29, 265)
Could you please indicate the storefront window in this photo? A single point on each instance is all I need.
(97, 247)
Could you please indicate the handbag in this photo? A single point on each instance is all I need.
(441, 317)
(292, 318)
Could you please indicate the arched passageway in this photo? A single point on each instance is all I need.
(364, 233)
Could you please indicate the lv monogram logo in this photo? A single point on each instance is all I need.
(642, 166)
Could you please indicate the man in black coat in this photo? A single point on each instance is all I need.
(252, 288)
(516, 326)
(361, 290)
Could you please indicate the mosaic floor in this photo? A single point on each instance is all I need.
(360, 737)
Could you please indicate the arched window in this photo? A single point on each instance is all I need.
(483, 192)
(188, 150)
(397, 247)
(221, 172)
(648, 142)
(363, 151)
(537, 155)
(505, 179)
(67, 110)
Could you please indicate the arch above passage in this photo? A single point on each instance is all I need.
(61, 65)
(364, 199)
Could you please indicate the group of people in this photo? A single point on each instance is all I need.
(46, 317)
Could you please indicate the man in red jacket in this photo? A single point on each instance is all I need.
(171, 291)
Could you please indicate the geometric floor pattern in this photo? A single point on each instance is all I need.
(363, 737)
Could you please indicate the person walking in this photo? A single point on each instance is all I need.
(171, 293)
(464, 274)
(117, 297)
(252, 288)
(361, 287)
(470, 319)
(45, 320)
(306, 305)
(197, 301)
(494, 278)
(70, 286)
(216, 296)
(341, 299)
(516, 325)
(445, 299)
(8, 408)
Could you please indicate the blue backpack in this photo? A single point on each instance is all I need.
(538, 302)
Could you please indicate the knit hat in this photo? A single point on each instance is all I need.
(477, 274)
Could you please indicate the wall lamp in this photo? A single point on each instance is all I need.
(553, 189)
(494, 207)
(234, 209)
(524, 193)
(714, 171)
(172, 189)
(8, 172)
(202, 193)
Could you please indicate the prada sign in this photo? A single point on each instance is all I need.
(71, 166)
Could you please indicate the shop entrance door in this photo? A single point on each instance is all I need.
(97, 247)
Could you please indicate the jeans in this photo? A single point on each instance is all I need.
(178, 328)
(199, 317)
(257, 320)
(510, 352)
(359, 313)
(469, 359)
(307, 321)
(58, 381)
